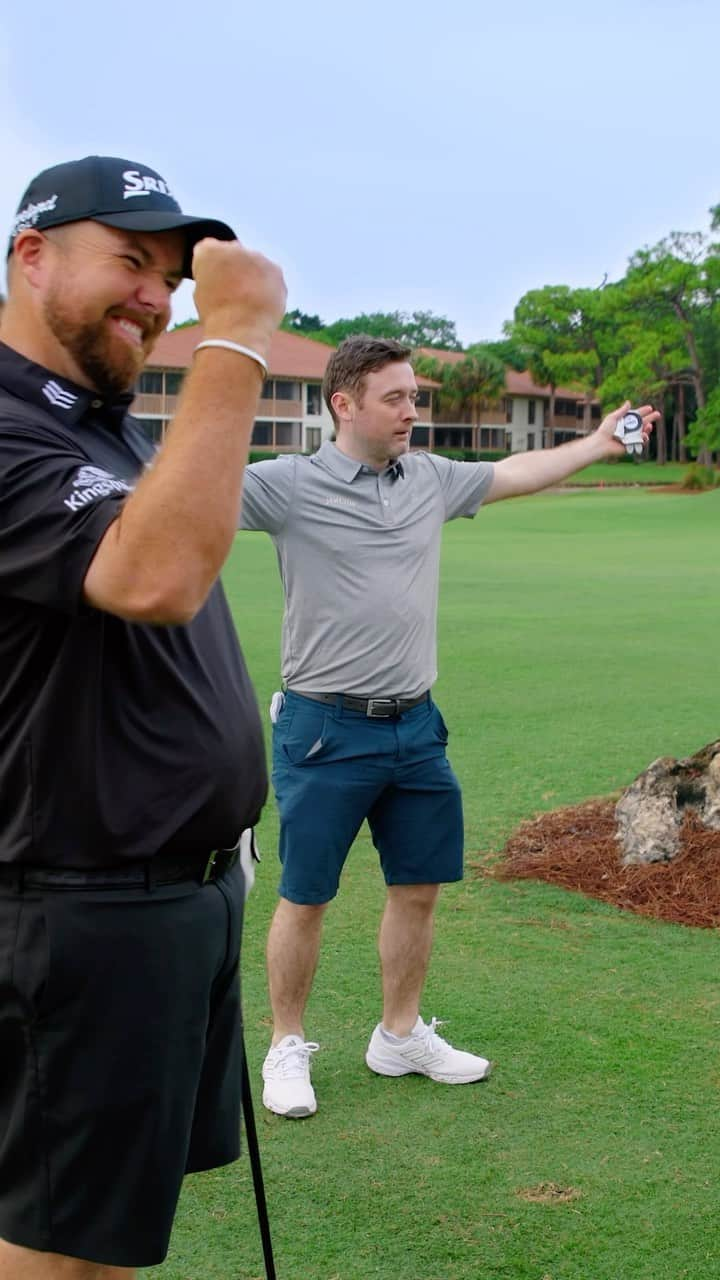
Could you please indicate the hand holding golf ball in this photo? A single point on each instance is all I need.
(629, 428)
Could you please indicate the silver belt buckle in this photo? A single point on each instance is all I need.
(390, 708)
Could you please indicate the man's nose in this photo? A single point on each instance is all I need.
(153, 293)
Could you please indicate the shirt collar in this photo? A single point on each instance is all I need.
(336, 462)
(345, 468)
(65, 400)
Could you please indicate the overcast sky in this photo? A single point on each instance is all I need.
(442, 156)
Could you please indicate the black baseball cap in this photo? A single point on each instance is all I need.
(120, 193)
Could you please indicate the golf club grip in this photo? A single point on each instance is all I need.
(255, 1165)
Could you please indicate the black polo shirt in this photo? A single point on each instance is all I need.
(118, 740)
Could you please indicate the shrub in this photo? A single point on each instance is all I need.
(698, 478)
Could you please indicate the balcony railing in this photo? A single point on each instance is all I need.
(151, 406)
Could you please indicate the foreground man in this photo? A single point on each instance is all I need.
(131, 753)
(357, 529)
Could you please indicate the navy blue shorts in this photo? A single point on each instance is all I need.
(332, 768)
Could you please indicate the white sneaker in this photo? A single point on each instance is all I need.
(427, 1054)
(286, 1072)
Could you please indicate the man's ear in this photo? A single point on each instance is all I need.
(342, 403)
(30, 252)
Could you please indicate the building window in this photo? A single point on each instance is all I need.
(531, 441)
(154, 428)
(508, 408)
(531, 413)
(420, 438)
(423, 399)
(492, 438)
(314, 398)
(313, 439)
(286, 390)
(453, 438)
(565, 408)
(173, 382)
(288, 434)
(150, 383)
(276, 388)
(262, 433)
(595, 412)
(276, 435)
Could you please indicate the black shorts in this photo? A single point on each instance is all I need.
(120, 1061)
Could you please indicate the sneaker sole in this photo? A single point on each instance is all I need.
(381, 1069)
(293, 1113)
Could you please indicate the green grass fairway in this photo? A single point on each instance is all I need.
(626, 472)
(578, 641)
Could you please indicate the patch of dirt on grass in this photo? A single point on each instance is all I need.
(576, 848)
(548, 1193)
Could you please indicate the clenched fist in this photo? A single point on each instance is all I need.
(239, 294)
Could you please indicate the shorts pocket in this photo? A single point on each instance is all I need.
(304, 738)
(439, 726)
(32, 959)
(66, 961)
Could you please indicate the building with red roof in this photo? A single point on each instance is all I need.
(293, 418)
(518, 421)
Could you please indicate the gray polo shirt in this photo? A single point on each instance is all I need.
(359, 556)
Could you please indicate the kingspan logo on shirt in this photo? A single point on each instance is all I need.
(91, 483)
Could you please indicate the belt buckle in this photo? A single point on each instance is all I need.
(373, 703)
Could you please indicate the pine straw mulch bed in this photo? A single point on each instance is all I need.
(576, 848)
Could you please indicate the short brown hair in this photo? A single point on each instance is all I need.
(354, 359)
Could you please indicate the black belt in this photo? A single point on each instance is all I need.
(374, 708)
(140, 875)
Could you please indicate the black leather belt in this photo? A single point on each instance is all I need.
(140, 875)
(374, 708)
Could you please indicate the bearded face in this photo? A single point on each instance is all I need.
(109, 363)
(107, 299)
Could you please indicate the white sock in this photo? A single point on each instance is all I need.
(393, 1039)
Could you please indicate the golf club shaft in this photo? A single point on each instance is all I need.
(255, 1165)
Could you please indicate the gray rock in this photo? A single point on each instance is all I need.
(650, 811)
(711, 812)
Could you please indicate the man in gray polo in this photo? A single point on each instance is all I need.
(356, 734)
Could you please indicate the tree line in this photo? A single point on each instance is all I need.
(652, 336)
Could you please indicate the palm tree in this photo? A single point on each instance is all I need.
(466, 385)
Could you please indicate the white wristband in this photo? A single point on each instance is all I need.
(227, 345)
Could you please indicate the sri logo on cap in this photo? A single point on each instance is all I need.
(124, 194)
(139, 184)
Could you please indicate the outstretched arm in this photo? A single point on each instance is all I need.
(529, 472)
